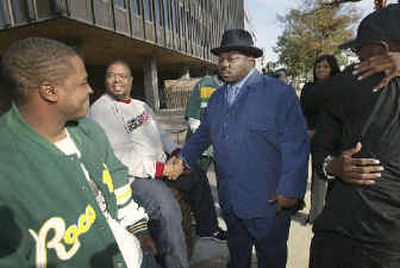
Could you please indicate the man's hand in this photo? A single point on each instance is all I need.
(361, 171)
(388, 63)
(173, 168)
(283, 202)
(147, 243)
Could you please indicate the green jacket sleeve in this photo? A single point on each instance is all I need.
(193, 107)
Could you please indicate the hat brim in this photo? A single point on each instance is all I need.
(351, 44)
(254, 51)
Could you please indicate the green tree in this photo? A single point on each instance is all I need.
(313, 29)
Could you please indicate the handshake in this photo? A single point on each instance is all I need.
(173, 168)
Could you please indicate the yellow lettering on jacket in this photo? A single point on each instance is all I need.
(69, 236)
(107, 178)
(206, 92)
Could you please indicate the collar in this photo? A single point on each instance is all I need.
(126, 101)
(17, 124)
(240, 83)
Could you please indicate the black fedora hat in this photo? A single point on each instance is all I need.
(240, 40)
(382, 25)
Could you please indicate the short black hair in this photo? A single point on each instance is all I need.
(121, 62)
(30, 61)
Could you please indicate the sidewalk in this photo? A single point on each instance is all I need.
(208, 254)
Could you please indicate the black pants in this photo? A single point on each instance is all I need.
(197, 192)
(329, 250)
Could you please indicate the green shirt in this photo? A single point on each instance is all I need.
(49, 216)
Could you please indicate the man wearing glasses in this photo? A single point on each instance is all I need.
(142, 145)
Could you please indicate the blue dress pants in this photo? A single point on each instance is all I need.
(270, 245)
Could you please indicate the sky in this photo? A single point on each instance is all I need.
(263, 15)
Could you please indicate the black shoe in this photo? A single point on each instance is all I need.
(219, 236)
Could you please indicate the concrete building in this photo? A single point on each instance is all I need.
(160, 39)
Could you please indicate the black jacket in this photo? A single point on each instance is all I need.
(352, 112)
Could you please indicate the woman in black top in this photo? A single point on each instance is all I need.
(325, 67)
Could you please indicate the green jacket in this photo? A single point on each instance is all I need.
(49, 216)
(197, 106)
(202, 91)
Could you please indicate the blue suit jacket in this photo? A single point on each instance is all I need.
(261, 146)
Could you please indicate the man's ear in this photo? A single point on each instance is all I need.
(252, 60)
(48, 92)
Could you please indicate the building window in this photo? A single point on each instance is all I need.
(174, 22)
(157, 12)
(120, 3)
(147, 10)
(19, 11)
(183, 22)
(135, 7)
(166, 15)
(2, 18)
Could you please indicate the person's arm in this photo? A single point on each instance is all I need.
(361, 171)
(303, 96)
(193, 109)
(306, 103)
(11, 239)
(327, 139)
(130, 215)
(334, 163)
(16, 241)
(199, 141)
(294, 145)
(388, 63)
(169, 145)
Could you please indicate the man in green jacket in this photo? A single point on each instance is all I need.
(65, 200)
(196, 108)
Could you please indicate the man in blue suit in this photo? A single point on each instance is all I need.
(255, 124)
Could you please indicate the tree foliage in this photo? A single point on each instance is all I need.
(313, 29)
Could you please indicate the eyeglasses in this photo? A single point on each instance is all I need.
(118, 75)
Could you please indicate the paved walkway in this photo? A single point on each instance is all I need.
(208, 254)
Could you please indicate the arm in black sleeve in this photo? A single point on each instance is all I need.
(327, 138)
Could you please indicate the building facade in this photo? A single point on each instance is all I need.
(160, 39)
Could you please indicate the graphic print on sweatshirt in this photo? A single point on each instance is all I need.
(140, 120)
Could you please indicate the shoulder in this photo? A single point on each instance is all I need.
(89, 128)
(7, 138)
(273, 87)
(217, 94)
(307, 86)
(345, 88)
(207, 80)
(139, 103)
(104, 101)
(8, 148)
(339, 86)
